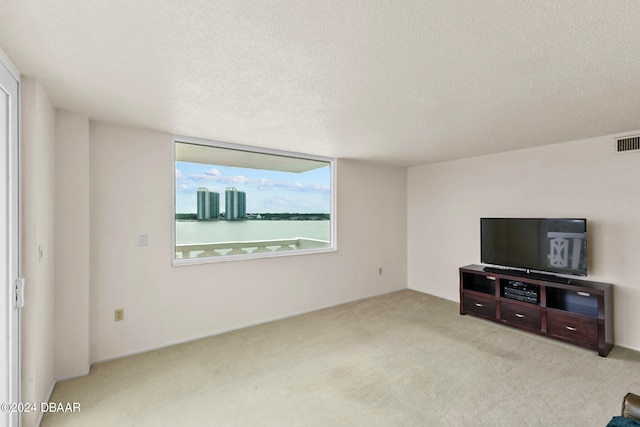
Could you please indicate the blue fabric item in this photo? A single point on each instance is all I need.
(623, 422)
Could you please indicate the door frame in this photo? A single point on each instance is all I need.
(13, 288)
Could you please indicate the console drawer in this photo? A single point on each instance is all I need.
(526, 315)
(575, 327)
(479, 304)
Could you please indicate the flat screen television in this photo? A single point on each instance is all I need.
(555, 245)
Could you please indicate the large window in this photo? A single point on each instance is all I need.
(237, 202)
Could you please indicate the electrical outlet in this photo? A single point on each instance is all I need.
(118, 315)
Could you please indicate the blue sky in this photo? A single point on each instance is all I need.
(267, 191)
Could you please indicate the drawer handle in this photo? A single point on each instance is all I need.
(519, 315)
(583, 294)
(491, 278)
(571, 328)
(479, 305)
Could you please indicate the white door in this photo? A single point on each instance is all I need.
(9, 249)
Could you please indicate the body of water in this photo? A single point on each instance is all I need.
(190, 232)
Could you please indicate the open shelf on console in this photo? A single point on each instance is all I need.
(516, 290)
(579, 302)
(479, 283)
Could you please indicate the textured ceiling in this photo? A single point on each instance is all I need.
(400, 82)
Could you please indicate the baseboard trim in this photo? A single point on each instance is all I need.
(48, 398)
(247, 325)
(72, 376)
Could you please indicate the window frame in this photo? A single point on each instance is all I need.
(247, 256)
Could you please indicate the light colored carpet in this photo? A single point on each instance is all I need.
(401, 359)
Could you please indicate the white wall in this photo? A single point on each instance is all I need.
(72, 244)
(574, 179)
(131, 194)
(38, 315)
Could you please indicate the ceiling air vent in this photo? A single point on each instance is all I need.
(628, 144)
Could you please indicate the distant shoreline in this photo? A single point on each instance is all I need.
(261, 217)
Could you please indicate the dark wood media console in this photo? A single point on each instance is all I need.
(574, 311)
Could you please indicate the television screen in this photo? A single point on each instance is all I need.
(557, 245)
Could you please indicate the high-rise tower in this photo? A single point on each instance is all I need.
(208, 204)
(235, 203)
